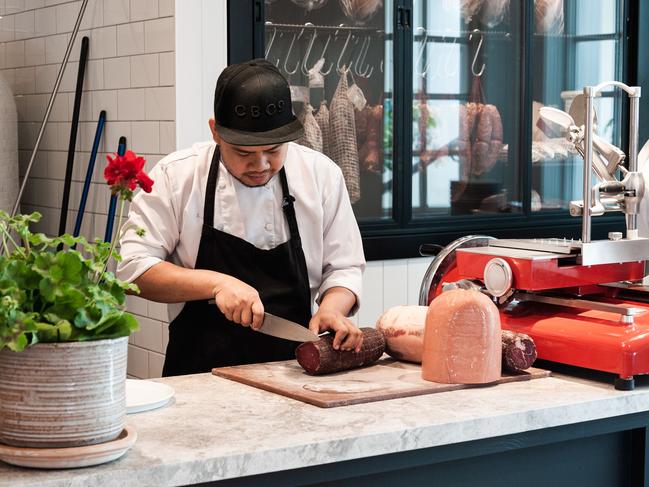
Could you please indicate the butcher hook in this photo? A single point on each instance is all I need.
(475, 56)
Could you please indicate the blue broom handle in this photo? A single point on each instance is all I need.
(89, 171)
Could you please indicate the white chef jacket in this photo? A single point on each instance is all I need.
(172, 217)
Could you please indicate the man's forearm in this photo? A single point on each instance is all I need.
(338, 299)
(168, 283)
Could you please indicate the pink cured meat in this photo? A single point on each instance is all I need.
(462, 340)
(403, 328)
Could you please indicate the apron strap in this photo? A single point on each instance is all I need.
(289, 211)
(210, 190)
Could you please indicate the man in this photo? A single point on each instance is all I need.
(254, 222)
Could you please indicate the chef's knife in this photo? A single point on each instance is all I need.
(288, 330)
(283, 328)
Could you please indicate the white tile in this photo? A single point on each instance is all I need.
(94, 75)
(372, 296)
(160, 103)
(157, 311)
(167, 137)
(39, 168)
(24, 25)
(35, 107)
(156, 362)
(45, 78)
(167, 69)
(165, 336)
(144, 9)
(130, 104)
(159, 35)
(21, 107)
(55, 48)
(3, 58)
(55, 2)
(27, 132)
(14, 6)
(130, 39)
(25, 81)
(117, 73)
(136, 305)
(105, 100)
(66, 16)
(60, 108)
(150, 334)
(395, 283)
(116, 11)
(7, 29)
(166, 8)
(56, 162)
(138, 362)
(34, 4)
(86, 113)
(145, 70)
(146, 137)
(35, 51)
(103, 43)
(115, 130)
(416, 270)
(93, 17)
(63, 132)
(45, 21)
(15, 54)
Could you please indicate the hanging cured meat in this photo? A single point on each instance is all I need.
(342, 132)
(312, 134)
(369, 152)
(360, 11)
(309, 5)
(322, 117)
(548, 16)
(494, 12)
(469, 9)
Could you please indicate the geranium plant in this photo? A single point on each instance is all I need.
(58, 289)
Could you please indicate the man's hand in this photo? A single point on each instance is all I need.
(347, 335)
(239, 302)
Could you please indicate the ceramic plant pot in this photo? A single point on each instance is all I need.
(63, 394)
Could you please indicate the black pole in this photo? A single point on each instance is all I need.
(73, 135)
(112, 206)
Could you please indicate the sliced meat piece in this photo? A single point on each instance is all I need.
(462, 341)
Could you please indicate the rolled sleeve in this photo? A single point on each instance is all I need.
(155, 214)
(343, 257)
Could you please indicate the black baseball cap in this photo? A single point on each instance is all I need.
(252, 105)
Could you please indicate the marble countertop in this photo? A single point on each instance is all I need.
(219, 429)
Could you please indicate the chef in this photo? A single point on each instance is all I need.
(253, 223)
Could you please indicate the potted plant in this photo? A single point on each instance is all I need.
(64, 329)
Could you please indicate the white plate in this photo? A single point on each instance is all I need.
(144, 395)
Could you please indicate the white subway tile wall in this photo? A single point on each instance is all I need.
(131, 75)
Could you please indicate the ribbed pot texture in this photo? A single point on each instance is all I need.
(63, 394)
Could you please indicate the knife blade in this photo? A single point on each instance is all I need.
(288, 330)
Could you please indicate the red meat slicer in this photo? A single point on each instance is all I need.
(582, 301)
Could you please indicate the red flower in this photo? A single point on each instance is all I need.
(125, 173)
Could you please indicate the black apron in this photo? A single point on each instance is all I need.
(201, 337)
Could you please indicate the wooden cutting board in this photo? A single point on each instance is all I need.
(386, 379)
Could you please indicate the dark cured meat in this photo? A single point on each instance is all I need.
(319, 357)
(519, 351)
